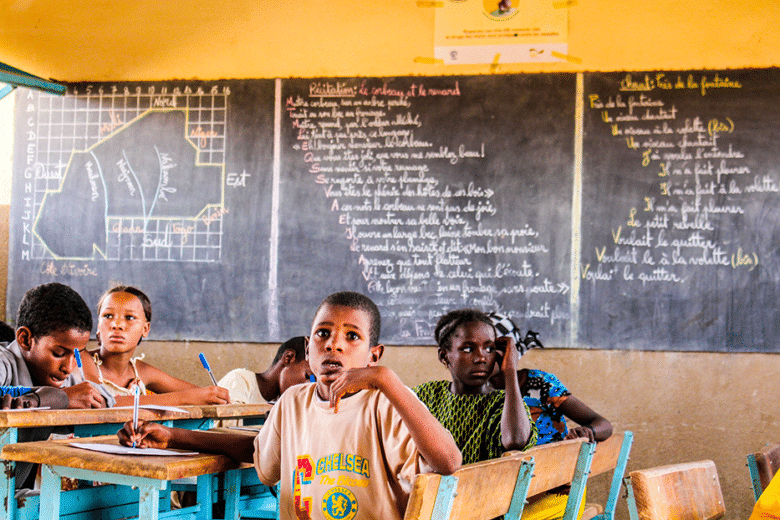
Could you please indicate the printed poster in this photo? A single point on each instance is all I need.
(501, 31)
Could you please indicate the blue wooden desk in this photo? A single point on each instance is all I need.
(99, 422)
(149, 474)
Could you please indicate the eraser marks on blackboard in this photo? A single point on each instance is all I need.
(563, 4)
(570, 59)
(429, 61)
(423, 3)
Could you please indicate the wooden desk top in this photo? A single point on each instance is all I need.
(60, 453)
(37, 418)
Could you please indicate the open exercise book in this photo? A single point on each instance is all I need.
(124, 450)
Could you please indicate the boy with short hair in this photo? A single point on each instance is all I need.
(347, 446)
(52, 322)
(287, 369)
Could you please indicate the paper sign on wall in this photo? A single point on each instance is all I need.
(502, 31)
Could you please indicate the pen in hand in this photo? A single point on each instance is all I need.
(136, 399)
(78, 364)
(208, 368)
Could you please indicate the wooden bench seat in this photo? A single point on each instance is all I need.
(496, 487)
(687, 491)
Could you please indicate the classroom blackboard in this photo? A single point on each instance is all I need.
(680, 214)
(607, 210)
(158, 185)
(427, 194)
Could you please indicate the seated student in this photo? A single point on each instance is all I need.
(549, 401)
(352, 441)
(287, 369)
(53, 321)
(485, 422)
(124, 319)
(550, 404)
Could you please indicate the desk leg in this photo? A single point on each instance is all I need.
(205, 494)
(51, 486)
(148, 503)
(8, 489)
(232, 493)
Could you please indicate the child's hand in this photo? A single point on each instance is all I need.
(149, 435)
(84, 395)
(23, 401)
(505, 346)
(356, 379)
(582, 431)
(209, 395)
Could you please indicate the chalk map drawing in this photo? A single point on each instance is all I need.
(144, 182)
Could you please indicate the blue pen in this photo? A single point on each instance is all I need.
(208, 368)
(78, 364)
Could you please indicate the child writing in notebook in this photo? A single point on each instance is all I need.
(52, 322)
(485, 422)
(347, 446)
(124, 319)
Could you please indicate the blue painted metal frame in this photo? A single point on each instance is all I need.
(19, 78)
(524, 476)
(8, 490)
(445, 496)
(580, 479)
(755, 480)
(617, 478)
(633, 514)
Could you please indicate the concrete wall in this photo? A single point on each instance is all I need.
(681, 406)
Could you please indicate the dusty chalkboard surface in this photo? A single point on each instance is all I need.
(680, 211)
(238, 205)
(427, 194)
(158, 185)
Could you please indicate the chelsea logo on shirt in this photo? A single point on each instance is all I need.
(339, 504)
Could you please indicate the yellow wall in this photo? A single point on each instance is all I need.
(212, 39)
(682, 406)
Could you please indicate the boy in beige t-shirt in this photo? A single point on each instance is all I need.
(345, 447)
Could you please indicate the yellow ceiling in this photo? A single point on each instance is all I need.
(99, 40)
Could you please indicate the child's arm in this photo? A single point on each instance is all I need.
(237, 446)
(516, 428)
(173, 391)
(197, 395)
(433, 441)
(592, 425)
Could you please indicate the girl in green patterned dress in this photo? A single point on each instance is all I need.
(484, 422)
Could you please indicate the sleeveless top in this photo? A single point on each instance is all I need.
(113, 388)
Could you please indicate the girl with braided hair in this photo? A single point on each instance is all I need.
(484, 421)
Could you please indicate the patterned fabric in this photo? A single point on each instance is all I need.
(506, 327)
(543, 393)
(473, 420)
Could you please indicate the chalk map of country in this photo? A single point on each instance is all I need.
(147, 171)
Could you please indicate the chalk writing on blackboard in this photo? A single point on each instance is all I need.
(690, 176)
(423, 226)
